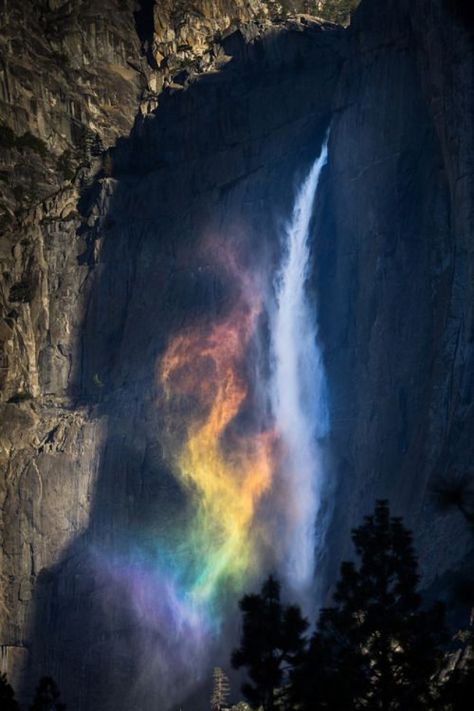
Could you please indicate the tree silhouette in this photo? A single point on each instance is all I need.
(47, 696)
(220, 690)
(375, 649)
(272, 643)
(455, 491)
(334, 10)
(457, 691)
(7, 695)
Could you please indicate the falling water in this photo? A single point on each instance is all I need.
(239, 481)
(299, 399)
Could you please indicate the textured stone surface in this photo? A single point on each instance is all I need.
(394, 270)
(67, 85)
(216, 158)
(209, 116)
(81, 259)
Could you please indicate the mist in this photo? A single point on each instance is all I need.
(298, 389)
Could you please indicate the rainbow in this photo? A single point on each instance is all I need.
(251, 471)
(225, 472)
(175, 587)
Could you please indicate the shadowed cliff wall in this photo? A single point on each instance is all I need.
(395, 270)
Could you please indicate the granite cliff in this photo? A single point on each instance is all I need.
(128, 132)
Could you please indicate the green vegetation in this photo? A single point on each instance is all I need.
(5, 218)
(27, 140)
(337, 11)
(65, 165)
(47, 696)
(21, 396)
(220, 690)
(9, 139)
(280, 9)
(377, 648)
(18, 192)
(22, 292)
(7, 695)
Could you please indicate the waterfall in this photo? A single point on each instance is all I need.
(298, 390)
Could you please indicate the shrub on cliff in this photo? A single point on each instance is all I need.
(9, 139)
(47, 696)
(338, 11)
(7, 695)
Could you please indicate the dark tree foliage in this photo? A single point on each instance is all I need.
(463, 10)
(7, 695)
(457, 691)
(272, 642)
(375, 649)
(338, 11)
(455, 492)
(47, 696)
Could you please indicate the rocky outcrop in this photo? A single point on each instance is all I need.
(186, 38)
(70, 82)
(184, 33)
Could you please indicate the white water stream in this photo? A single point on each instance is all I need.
(299, 393)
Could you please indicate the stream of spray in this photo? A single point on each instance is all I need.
(238, 472)
(299, 392)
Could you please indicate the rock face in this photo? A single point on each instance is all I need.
(67, 91)
(183, 33)
(209, 174)
(394, 269)
(143, 128)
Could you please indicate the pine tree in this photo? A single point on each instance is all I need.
(272, 643)
(220, 691)
(47, 696)
(457, 690)
(338, 11)
(375, 649)
(7, 695)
